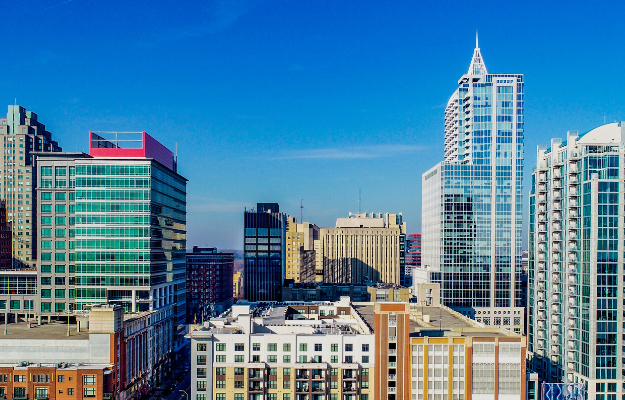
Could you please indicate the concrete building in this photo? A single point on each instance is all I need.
(107, 355)
(237, 285)
(209, 276)
(472, 202)
(575, 304)
(325, 292)
(361, 248)
(6, 252)
(298, 351)
(413, 256)
(265, 252)
(21, 135)
(300, 252)
(354, 351)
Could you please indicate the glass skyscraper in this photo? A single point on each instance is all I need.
(265, 252)
(576, 250)
(472, 201)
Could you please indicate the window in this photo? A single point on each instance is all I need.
(46, 268)
(41, 393)
(256, 347)
(349, 359)
(334, 359)
(59, 244)
(239, 347)
(59, 196)
(334, 347)
(239, 384)
(365, 359)
(365, 372)
(201, 385)
(46, 195)
(58, 220)
(365, 347)
(46, 293)
(272, 384)
(89, 392)
(46, 232)
(286, 347)
(272, 396)
(70, 391)
(334, 371)
(59, 208)
(201, 347)
(220, 384)
(239, 359)
(255, 358)
(220, 358)
(349, 347)
(202, 396)
(364, 384)
(286, 396)
(302, 359)
(272, 347)
(286, 359)
(334, 385)
(59, 293)
(364, 396)
(201, 359)
(220, 371)
(219, 396)
(318, 347)
(239, 396)
(238, 371)
(46, 220)
(19, 393)
(61, 378)
(201, 372)
(272, 359)
(303, 347)
(89, 379)
(221, 347)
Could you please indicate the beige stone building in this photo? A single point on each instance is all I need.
(300, 251)
(21, 135)
(362, 247)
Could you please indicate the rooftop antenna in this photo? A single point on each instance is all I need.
(359, 193)
(476, 41)
(301, 211)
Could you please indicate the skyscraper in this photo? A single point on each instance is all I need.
(22, 134)
(265, 252)
(575, 305)
(472, 201)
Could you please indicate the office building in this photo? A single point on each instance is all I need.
(362, 248)
(354, 351)
(575, 304)
(325, 292)
(209, 280)
(237, 281)
(22, 134)
(107, 355)
(300, 251)
(6, 252)
(413, 257)
(472, 201)
(265, 252)
(113, 227)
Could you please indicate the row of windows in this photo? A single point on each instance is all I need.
(274, 396)
(334, 347)
(112, 170)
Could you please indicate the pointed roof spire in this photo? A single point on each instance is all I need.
(477, 66)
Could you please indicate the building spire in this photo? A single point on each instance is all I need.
(477, 66)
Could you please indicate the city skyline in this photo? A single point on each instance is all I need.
(350, 98)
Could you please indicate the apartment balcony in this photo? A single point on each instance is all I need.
(392, 377)
(557, 205)
(557, 184)
(540, 266)
(572, 280)
(542, 187)
(349, 388)
(541, 305)
(392, 338)
(557, 237)
(542, 177)
(556, 309)
(392, 389)
(542, 238)
(556, 226)
(570, 344)
(542, 315)
(392, 352)
(573, 169)
(392, 364)
(541, 276)
(542, 198)
(555, 348)
(555, 319)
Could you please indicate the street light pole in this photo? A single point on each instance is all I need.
(185, 392)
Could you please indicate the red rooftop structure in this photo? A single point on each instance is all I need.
(130, 145)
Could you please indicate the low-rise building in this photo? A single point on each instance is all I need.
(354, 351)
(106, 355)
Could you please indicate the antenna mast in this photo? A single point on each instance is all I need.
(301, 211)
(358, 201)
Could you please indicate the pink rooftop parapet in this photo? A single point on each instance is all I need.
(130, 145)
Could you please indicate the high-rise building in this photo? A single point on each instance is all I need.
(22, 135)
(575, 290)
(300, 251)
(6, 253)
(265, 252)
(209, 280)
(361, 248)
(472, 201)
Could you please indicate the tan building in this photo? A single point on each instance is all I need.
(21, 135)
(236, 284)
(362, 247)
(300, 251)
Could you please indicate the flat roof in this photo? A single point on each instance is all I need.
(51, 331)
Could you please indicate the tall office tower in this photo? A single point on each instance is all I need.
(209, 283)
(22, 134)
(575, 305)
(363, 247)
(265, 252)
(113, 227)
(472, 201)
(300, 251)
(6, 259)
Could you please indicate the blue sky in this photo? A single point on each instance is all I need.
(277, 101)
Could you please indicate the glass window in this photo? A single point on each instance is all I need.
(58, 220)
(46, 232)
(89, 392)
(59, 245)
(46, 195)
(46, 208)
(59, 208)
(46, 268)
(59, 196)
